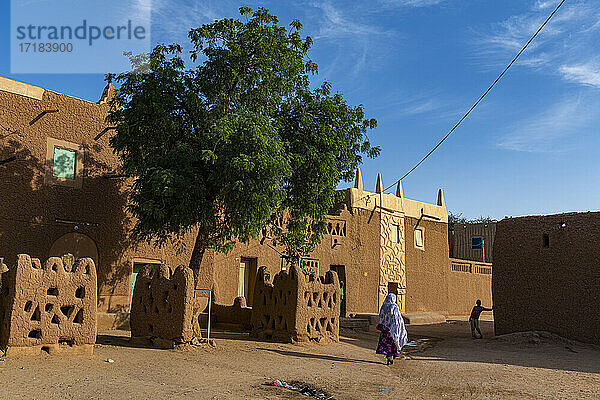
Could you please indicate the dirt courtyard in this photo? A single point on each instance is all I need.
(447, 365)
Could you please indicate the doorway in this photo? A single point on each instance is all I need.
(341, 272)
(393, 288)
(247, 278)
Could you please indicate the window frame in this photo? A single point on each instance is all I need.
(422, 247)
(51, 145)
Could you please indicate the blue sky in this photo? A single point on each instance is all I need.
(416, 65)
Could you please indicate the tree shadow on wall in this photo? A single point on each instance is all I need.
(36, 213)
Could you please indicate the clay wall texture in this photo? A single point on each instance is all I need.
(296, 307)
(468, 281)
(49, 307)
(427, 270)
(236, 314)
(163, 305)
(392, 256)
(436, 283)
(552, 288)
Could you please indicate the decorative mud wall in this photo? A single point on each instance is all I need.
(238, 314)
(296, 307)
(546, 275)
(392, 256)
(163, 304)
(50, 307)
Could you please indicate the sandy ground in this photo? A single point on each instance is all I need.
(447, 365)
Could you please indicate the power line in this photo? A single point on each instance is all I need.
(481, 97)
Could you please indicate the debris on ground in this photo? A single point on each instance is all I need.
(110, 360)
(300, 387)
(202, 342)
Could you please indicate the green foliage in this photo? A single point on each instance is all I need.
(459, 219)
(238, 140)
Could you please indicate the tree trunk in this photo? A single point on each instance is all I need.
(198, 253)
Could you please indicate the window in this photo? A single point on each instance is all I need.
(476, 243)
(63, 165)
(546, 240)
(419, 239)
(396, 234)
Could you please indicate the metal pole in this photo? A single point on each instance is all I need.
(483, 248)
(209, 304)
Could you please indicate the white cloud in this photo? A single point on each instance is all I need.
(358, 42)
(411, 3)
(566, 43)
(336, 24)
(544, 4)
(585, 74)
(553, 130)
(171, 21)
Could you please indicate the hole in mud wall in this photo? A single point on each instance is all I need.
(35, 334)
(49, 307)
(80, 293)
(174, 288)
(67, 310)
(28, 306)
(66, 342)
(170, 310)
(87, 269)
(55, 319)
(52, 291)
(165, 296)
(78, 317)
(37, 315)
(54, 267)
(45, 349)
(150, 328)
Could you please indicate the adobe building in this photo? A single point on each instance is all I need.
(62, 193)
(377, 243)
(547, 275)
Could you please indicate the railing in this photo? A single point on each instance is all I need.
(470, 267)
(461, 267)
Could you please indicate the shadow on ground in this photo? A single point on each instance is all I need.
(452, 342)
(318, 356)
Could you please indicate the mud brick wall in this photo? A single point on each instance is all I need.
(236, 314)
(296, 307)
(547, 275)
(49, 307)
(163, 304)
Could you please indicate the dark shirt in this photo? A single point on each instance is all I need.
(477, 310)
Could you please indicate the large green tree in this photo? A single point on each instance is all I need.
(235, 138)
